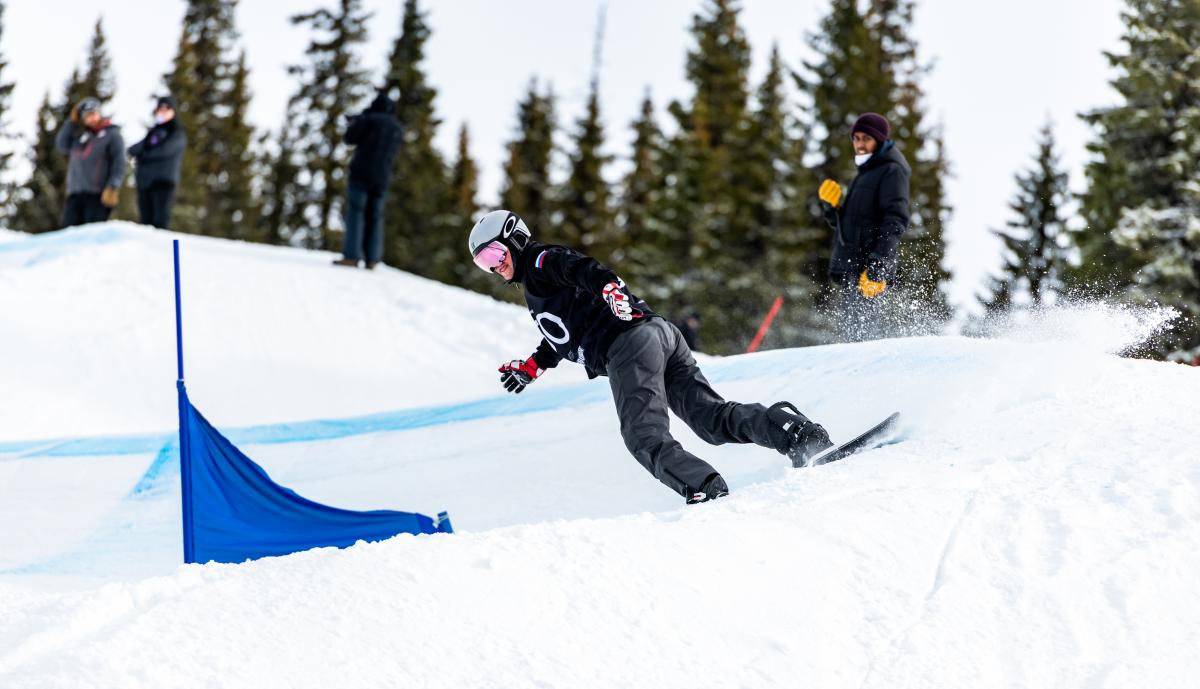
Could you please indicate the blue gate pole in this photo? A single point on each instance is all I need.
(185, 463)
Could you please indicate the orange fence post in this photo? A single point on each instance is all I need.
(766, 325)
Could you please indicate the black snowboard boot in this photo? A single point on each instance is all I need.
(713, 487)
(798, 438)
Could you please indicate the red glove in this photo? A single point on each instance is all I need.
(614, 294)
(516, 374)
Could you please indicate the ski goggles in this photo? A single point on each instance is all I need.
(491, 256)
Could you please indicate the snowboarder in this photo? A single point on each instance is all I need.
(159, 157)
(587, 315)
(867, 227)
(96, 164)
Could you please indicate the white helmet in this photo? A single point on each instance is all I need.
(504, 226)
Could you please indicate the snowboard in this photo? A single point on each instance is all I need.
(871, 438)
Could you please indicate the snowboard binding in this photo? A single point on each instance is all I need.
(801, 439)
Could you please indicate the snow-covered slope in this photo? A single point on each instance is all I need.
(1037, 525)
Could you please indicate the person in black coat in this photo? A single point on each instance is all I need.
(158, 158)
(377, 136)
(867, 225)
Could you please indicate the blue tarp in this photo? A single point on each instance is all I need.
(233, 511)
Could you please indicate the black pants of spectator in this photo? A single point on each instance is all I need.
(650, 369)
(154, 204)
(364, 224)
(84, 208)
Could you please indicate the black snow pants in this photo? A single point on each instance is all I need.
(154, 204)
(650, 368)
(83, 208)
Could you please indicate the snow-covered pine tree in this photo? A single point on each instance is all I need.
(1035, 240)
(333, 85)
(1142, 237)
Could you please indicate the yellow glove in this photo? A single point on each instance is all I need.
(110, 197)
(869, 288)
(830, 192)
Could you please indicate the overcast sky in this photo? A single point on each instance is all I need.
(1001, 68)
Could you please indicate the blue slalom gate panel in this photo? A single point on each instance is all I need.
(233, 511)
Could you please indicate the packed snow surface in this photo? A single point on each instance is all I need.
(1035, 524)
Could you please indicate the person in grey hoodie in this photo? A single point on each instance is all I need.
(96, 164)
(158, 158)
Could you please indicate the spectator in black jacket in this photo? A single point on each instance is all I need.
(867, 226)
(377, 135)
(158, 158)
(96, 164)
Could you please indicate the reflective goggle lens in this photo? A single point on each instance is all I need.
(491, 257)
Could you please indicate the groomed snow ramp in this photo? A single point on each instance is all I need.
(233, 511)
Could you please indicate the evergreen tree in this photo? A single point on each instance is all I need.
(333, 85)
(210, 87)
(98, 80)
(710, 275)
(776, 235)
(585, 200)
(1035, 241)
(527, 189)
(281, 211)
(464, 188)
(39, 202)
(1143, 198)
(640, 242)
(6, 186)
(1139, 155)
(423, 236)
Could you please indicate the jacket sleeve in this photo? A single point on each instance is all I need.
(358, 127)
(65, 136)
(568, 268)
(893, 200)
(545, 356)
(170, 148)
(135, 150)
(116, 160)
(831, 216)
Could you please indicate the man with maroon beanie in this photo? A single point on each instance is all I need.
(867, 223)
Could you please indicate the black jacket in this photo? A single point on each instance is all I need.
(868, 226)
(563, 292)
(377, 135)
(159, 155)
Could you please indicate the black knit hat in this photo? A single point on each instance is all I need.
(168, 101)
(873, 125)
